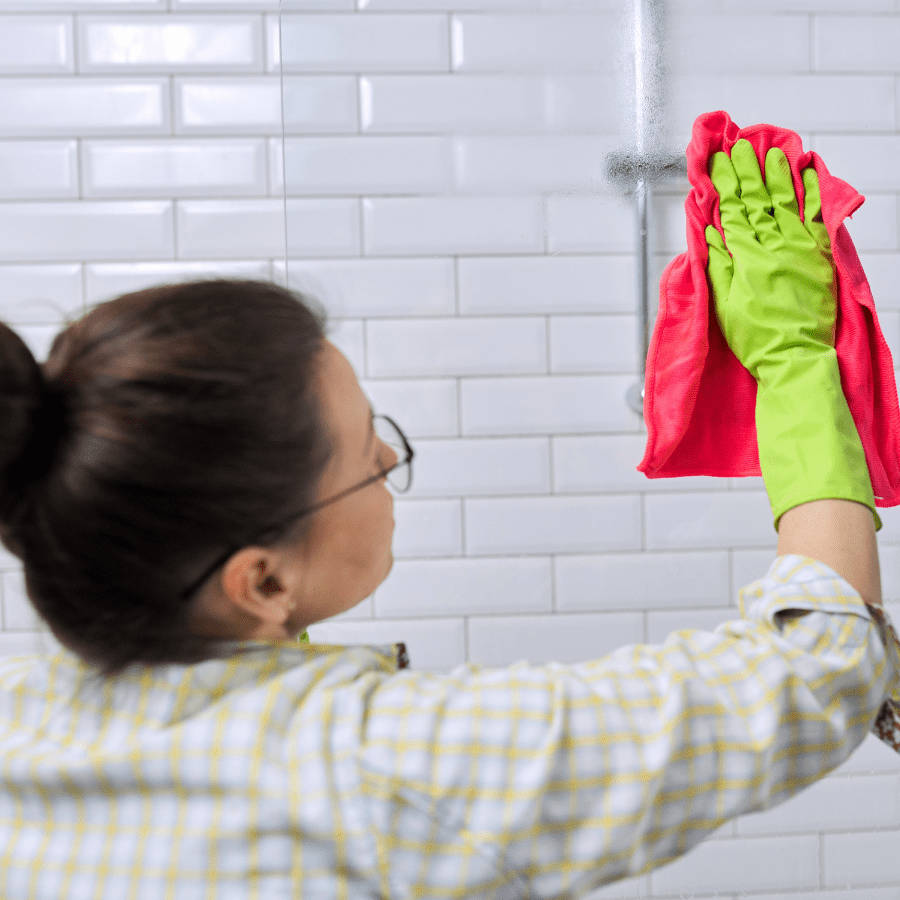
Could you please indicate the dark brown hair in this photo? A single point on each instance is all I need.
(166, 426)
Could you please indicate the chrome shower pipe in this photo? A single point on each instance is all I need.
(635, 171)
(635, 394)
(641, 61)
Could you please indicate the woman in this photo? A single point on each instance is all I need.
(191, 480)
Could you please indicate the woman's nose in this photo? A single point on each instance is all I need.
(393, 458)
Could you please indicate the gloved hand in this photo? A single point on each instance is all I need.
(778, 294)
(776, 302)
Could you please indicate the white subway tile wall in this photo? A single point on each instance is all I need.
(433, 172)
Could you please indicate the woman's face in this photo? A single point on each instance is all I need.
(275, 593)
(349, 547)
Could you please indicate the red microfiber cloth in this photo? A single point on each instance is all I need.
(699, 401)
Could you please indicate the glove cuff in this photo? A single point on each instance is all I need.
(809, 447)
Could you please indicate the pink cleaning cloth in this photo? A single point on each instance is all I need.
(699, 401)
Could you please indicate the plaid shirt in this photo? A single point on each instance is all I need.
(323, 771)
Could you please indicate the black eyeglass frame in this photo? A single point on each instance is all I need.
(407, 460)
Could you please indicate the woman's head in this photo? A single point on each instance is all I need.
(176, 423)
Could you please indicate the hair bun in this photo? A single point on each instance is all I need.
(49, 426)
(35, 414)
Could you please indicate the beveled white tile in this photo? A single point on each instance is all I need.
(839, 39)
(301, 5)
(782, 863)
(106, 280)
(173, 167)
(817, 102)
(174, 43)
(436, 347)
(594, 343)
(538, 525)
(437, 587)
(379, 287)
(582, 104)
(833, 6)
(451, 104)
(510, 6)
(219, 229)
(593, 464)
(427, 528)
(311, 104)
(84, 230)
(362, 165)
(868, 162)
(481, 467)
(322, 43)
(235, 105)
(883, 274)
(861, 858)
(38, 170)
(323, 228)
(320, 103)
(37, 107)
(558, 404)
(82, 5)
(582, 223)
(451, 225)
(529, 164)
(31, 294)
(534, 43)
(873, 226)
(628, 581)
(736, 43)
(36, 44)
(246, 5)
(709, 520)
(546, 284)
(831, 805)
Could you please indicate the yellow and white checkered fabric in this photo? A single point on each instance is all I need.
(320, 771)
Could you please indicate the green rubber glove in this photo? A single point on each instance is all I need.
(775, 298)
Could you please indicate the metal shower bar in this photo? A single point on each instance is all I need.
(635, 171)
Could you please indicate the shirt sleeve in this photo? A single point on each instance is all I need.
(549, 781)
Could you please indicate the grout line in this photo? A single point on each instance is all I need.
(283, 151)
(554, 606)
(813, 60)
(450, 42)
(365, 347)
(548, 349)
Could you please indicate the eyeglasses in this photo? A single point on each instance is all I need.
(399, 476)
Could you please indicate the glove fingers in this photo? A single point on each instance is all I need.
(786, 209)
(738, 230)
(720, 269)
(780, 182)
(813, 220)
(754, 194)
